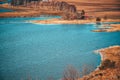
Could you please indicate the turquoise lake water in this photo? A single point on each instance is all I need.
(42, 51)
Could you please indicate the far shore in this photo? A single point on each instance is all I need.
(61, 21)
(21, 11)
(113, 27)
(111, 53)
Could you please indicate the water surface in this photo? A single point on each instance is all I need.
(42, 51)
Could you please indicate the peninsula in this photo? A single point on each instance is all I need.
(110, 65)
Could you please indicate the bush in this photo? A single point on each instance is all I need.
(70, 74)
(98, 19)
(107, 64)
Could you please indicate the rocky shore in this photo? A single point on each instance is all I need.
(110, 65)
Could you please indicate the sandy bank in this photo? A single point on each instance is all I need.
(105, 28)
(113, 54)
(60, 21)
(112, 28)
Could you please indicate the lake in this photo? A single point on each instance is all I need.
(45, 50)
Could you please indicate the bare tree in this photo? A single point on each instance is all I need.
(70, 73)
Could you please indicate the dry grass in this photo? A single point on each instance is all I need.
(101, 8)
(96, 8)
(26, 12)
(113, 54)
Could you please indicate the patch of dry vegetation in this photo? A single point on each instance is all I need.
(98, 8)
(110, 66)
(95, 8)
(21, 11)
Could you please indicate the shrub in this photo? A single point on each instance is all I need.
(98, 19)
(107, 64)
(70, 74)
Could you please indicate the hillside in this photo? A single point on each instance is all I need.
(109, 8)
(94, 8)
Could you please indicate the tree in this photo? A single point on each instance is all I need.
(70, 73)
(12, 2)
(98, 19)
(17, 2)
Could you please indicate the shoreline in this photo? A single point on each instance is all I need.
(111, 28)
(105, 28)
(111, 53)
(101, 58)
(105, 53)
(107, 9)
(61, 21)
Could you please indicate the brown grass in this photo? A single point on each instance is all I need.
(112, 54)
(101, 8)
